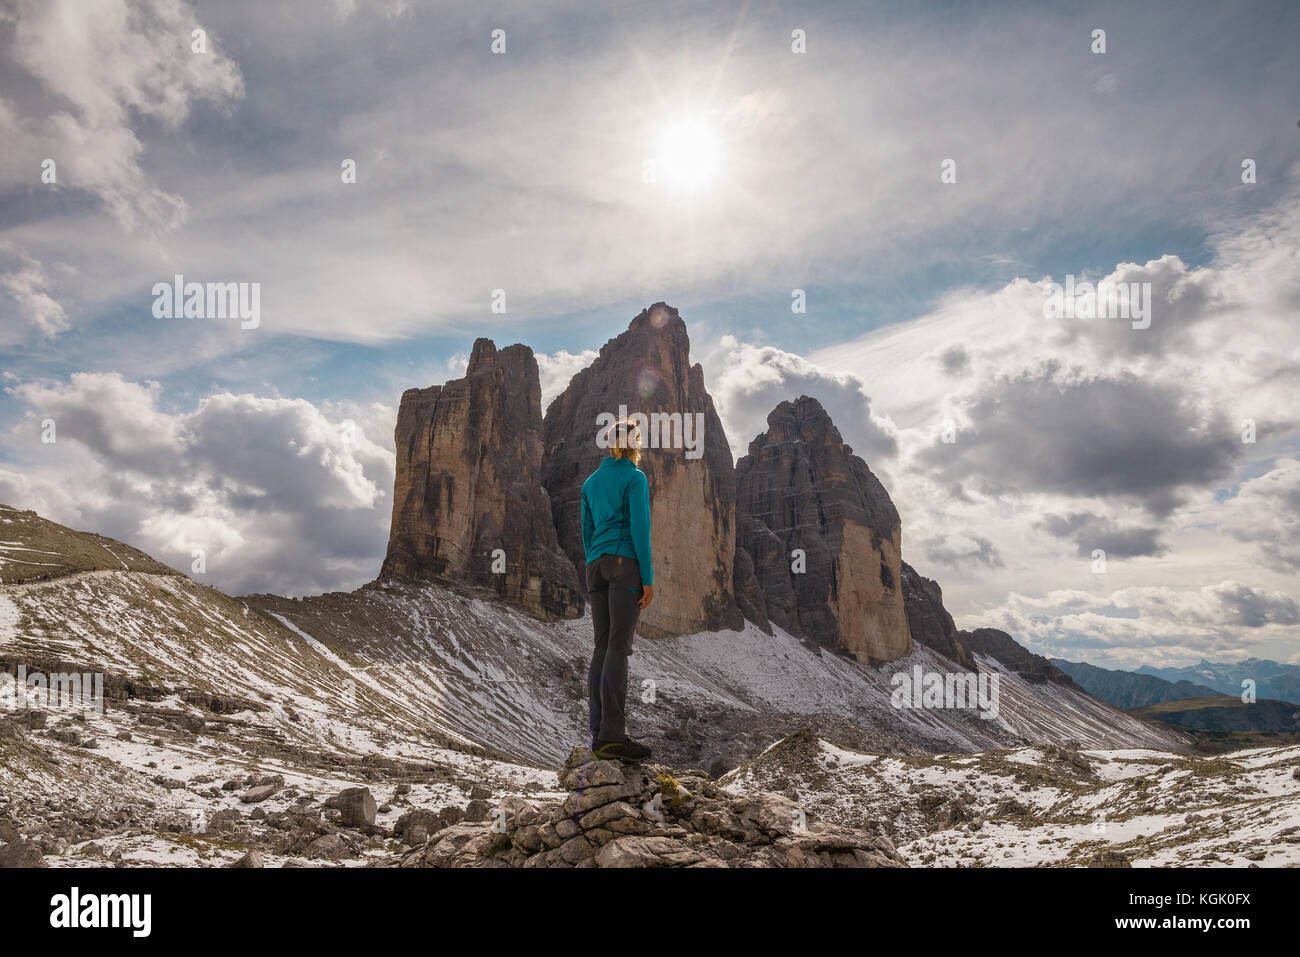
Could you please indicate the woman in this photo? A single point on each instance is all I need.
(616, 542)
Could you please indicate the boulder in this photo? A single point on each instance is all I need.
(415, 826)
(356, 807)
(331, 847)
(259, 793)
(21, 853)
(1110, 859)
(647, 852)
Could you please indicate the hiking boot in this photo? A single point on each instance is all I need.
(625, 750)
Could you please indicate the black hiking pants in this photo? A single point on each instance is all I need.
(614, 588)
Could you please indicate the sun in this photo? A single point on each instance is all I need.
(690, 153)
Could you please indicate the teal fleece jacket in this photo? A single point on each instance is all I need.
(616, 514)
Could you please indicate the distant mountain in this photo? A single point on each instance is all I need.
(1128, 689)
(1227, 713)
(1272, 679)
(449, 645)
(452, 680)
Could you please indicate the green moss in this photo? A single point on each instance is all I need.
(671, 789)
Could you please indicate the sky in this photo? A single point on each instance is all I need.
(918, 174)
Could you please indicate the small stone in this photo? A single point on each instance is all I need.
(1109, 859)
(477, 810)
(260, 793)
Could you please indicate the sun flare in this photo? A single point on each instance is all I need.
(690, 153)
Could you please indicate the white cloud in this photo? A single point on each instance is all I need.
(1266, 513)
(280, 496)
(105, 64)
(29, 287)
(476, 174)
(556, 369)
(748, 381)
(1150, 624)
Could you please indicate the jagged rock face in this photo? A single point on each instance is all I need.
(998, 644)
(632, 815)
(801, 487)
(749, 596)
(692, 499)
(927, 619)
(469, 456)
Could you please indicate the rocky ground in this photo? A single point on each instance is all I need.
(170, 785)
(240, 728)
(72, 799)
(1052, 805)
(633, 815)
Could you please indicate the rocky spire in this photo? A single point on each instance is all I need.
(468, 505)
(801, 488)
(647, 369)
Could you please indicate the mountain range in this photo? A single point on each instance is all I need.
(455, 682)
(1129, 689)
(1270, 679)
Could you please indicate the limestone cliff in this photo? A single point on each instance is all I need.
(647, 369)
(468, 504)
(801, 488)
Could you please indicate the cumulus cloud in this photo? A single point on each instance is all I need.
(748, 381)
(1148, 624)
(1053, 430)
(1265, 511)
(1135, 441)
(279, 496)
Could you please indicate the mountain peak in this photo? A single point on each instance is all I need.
(823, 535)
(468, 506)
(659, 317)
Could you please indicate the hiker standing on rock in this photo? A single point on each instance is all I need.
(616, 542)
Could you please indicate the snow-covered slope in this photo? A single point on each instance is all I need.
(395, 667)
(1047, 805)
(432, 697)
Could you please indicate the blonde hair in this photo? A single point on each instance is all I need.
(623, 439)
